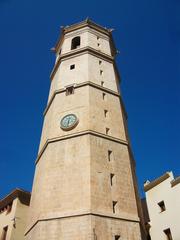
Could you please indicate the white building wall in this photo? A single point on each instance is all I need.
(169, 218)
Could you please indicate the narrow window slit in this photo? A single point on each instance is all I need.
(107, 131)
(102, 83)
(105, 113)
(111, 178)
(114, 203)
(104, 96)
(116, 237)
(110, 155)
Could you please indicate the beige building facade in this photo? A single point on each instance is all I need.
(163, 203)
(84, 185)
(13, 215)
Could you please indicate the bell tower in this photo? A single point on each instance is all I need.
(84, 185)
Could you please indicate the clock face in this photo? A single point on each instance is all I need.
(69, 121)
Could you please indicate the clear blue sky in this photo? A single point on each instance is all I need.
(147, 33)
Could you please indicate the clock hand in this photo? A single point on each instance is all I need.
(68, 121)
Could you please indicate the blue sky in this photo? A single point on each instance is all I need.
(147, 34)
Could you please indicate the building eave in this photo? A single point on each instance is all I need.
(175, 181)
(21, 194)
(86, 23)
(82, 51)
(156, 182)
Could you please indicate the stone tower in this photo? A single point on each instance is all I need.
(84, 185)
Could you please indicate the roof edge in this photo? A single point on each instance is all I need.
(82, 24)
(150, 185)
(24, 197)
(86, 22)
(175, 181)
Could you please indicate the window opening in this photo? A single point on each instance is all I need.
(75, 43)
(4, 233)
(109, 155)
(104, 96)
(162, 206)
(105, 113)
(72, 66)
(168, 234)
(116, 237)
(114, 206)
(107, 131)
(111, 178)
(69, 90)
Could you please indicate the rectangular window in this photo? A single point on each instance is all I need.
(162, 206)
(102, 83)
(100, 62)
(111, 178)
(4, 233)
(101, 72)
(168, 234)
(105, 113)
(116, 237)
(107, 131)
(69, 90)
(72, 66)
(98, 44)
(104, 96)
(110, 155)
(97, 37)
(114, 203)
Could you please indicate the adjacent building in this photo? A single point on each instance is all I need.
(163, 204)
(13, 215)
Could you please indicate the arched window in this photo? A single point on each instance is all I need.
(75, 42)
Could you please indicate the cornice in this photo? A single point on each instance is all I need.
(78, 52)
(80, 25)
(78, 134)
(89, 30)
(150, 185)
(87, 23)
(175, 181)
(118, 217)
(23, 196)
(107, 90)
